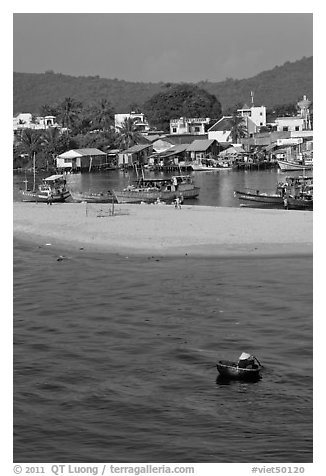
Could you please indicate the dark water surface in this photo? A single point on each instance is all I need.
(114, 358)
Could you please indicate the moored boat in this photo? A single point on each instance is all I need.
(248, 367)
(292, 165)
(299, 203)
(151, 190)
(257, 198)
(52, 189)
(299, 193)
(92, 197)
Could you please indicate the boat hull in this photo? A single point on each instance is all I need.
(288, 166)
(230, 370)
(299, 204)
(138, 196)
(44, 198)
(92, 197)
(260, 199)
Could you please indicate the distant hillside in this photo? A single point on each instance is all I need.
(281, 85)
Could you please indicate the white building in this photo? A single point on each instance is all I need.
(290, 124)
(257, 114)
(189, 125)
(139, 120)
(27, 121)
(221, 130)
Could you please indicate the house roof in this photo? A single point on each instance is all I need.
(136, 148)
(74, 153)
(199, 145)
(184, 138)
(176, 149)
(232, 151)
(222, 124)
(154, 137)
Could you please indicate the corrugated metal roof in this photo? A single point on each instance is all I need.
(136, 148)
(176, 149)
(89, 151)
(222, 125)
(74, 153)
(198, 145)
(185, 138)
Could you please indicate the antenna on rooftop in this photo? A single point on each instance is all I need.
(252, 98)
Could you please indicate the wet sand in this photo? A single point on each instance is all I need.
(164, 230)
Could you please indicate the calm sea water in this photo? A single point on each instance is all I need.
(216, 188)
(114, 357)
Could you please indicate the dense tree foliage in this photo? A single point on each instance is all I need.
(281, 85)
(182, 100)
(81, 126)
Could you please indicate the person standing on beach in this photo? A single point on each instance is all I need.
(49, 199)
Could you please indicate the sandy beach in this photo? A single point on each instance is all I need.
(165, 230)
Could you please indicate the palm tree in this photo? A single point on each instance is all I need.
(68, 112)
(48, 110)
(238, 128)
(30, 142)
(102, 115)
(128, 133)
(51, 142)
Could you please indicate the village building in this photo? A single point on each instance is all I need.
(135, 155)
(221, 130)
(187, 125)
(28, 121)
(76, 160)
(256, 114)
(139, 120)
(289, 124)
(203, 149)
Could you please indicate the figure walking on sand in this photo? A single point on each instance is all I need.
(177, 203)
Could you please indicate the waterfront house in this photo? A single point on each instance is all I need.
(203, 149)
(137, 154)
(81, 160)
(170, 140)
(169, 157)
(232, 154)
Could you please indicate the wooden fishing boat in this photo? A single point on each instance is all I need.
(92, 197)
(299, 193)
(52, 189)
(244, 369)
(151, 190)
(288, 165)
(257, 198)
(299, 203)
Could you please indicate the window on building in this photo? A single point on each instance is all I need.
(67, 161)
(297, 128)
(197, 129)
(285, 128)
(260, 113)
(174, 130)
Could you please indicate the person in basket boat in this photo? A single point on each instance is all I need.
(247, 361)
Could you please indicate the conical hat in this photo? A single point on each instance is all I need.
(244, 356)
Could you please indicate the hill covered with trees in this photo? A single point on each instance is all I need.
(281, 85)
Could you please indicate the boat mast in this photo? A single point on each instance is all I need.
(34, 172)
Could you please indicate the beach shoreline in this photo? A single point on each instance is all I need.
(163, 230)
